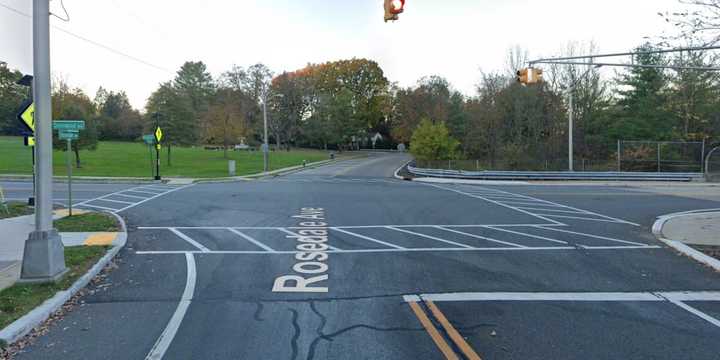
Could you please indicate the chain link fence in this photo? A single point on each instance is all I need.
(630, 156)
(712, 165)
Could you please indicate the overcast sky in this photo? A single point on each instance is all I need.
(452, 38)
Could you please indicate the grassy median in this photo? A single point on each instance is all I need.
(14, 209)
(20, 299)
(126, 159)
(90, 222)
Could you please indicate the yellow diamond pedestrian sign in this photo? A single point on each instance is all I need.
(158, 134)
(27, 116)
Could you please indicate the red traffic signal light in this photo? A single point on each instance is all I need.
(397, 6)
(393, 8)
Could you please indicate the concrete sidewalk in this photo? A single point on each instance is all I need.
(16, 230)
(695, 234)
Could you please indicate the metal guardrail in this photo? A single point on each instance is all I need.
(555, 175)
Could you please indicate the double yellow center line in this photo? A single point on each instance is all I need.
(439, 340)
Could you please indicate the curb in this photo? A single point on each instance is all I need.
(686, 250)
(93, 180)
(37, 316)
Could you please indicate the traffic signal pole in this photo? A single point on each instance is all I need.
(43, 259)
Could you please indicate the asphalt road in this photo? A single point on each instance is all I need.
(408, 271)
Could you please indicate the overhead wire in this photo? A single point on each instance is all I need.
(93, 42)
(67, 16)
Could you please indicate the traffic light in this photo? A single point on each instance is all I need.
(529, 76)
(393, 8)
(522, 76)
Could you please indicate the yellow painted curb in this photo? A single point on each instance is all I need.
(101, 239)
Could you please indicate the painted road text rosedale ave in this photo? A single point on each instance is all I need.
(311, 266)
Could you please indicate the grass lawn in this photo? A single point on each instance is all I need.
(90, 222)
(19, 299)
(124, 159)
(15, 209)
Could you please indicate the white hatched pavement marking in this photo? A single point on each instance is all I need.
(430, 237)
(163, 342)
(497, 203)
(511, 197)
(480, 237)
(675, 298)
(593, 236)
(130, 204)
(252, 240)
(449, 228)
(189, 239)
(285, 230)
(529, 235)
(367, 238)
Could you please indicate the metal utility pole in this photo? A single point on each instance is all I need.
(44, 257)
(265, 146)
(571, 147)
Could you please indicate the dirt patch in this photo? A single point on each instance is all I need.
(713, 251)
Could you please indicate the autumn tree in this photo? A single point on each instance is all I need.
(225, 122)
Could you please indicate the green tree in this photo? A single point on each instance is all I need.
(11, 96)
(225, 122)
(73, 104)
(644, 114)
(433, 142)
(117, 119)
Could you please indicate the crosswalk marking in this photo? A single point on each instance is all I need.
(511, 237)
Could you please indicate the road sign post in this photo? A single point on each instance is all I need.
(69, 173)
(158, 138)
(43, 258)
(69, 136)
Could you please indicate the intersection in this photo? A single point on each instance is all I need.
(422, 271)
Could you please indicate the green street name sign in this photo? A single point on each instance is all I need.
(149, 139)
(69, 135)
(76, 125)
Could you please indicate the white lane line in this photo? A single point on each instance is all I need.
(576, 296)
(368, 238)
(528, 235)
(675, 298)
(497, 203)
(540, 296)
(480, 237)
(532, 204)
(696, 312)
(250, 239)
(295, 234)
(344, 227)
(430, 237)
(142, 192)
(96, 206)
(115, 201)
(130, 196)
(163, 342)
(189, 240)
(553, 210)
(593, 236)
(367, 251)
(620, 247)
(154, 197)
(589, 219)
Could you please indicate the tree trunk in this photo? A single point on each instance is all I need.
(77, 157)
(168, 155)
(278, 142)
